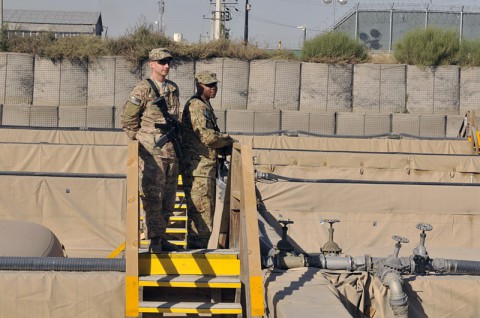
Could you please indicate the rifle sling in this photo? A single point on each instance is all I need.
(165, 112)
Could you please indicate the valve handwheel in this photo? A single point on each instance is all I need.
(424, 227)
(400, 239)
(331, 221)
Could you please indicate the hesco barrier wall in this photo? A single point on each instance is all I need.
(40, 92)
(247, 121)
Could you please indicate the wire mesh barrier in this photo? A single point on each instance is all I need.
(255, 85)
(59, 117)
(241, 121)
(259, 96)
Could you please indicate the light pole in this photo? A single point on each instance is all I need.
(342, 2)
(304, 29)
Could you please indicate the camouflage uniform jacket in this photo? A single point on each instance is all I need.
(201, 137)
(140, 116)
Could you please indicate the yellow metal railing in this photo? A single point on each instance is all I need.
(469, 130)
(239, 213)
(242, 206)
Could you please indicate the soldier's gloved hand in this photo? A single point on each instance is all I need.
(225, 151)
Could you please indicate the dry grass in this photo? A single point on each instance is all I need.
(382, 58)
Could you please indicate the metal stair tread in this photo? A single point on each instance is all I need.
(176, 242)
(178, 218)
(190, 281)
(189, 307)
(198, 253)
(170, 230)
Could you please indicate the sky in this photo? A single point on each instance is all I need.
(270, 21)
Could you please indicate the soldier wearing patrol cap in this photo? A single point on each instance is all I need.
(201, 142)
(143, 121)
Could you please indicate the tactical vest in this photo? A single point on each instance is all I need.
(152, 115)
(193, 148)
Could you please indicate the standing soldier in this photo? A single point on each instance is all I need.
(143, 121)
(201, 142)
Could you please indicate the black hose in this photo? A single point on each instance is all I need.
(64, 175)
(62, 264)
(275, 177)
(454, 266)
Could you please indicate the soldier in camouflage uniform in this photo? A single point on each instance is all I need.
(143, 121)
(201, 141)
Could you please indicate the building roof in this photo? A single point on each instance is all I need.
(51, 17)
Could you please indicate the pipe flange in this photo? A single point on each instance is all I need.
(396, 267)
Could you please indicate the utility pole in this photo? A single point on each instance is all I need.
(161, 11)
(1, 13)
(218, 19)
(304, 29)
(219, 16)
(245, 31)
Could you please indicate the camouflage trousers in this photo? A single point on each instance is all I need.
(158, 179)
(200, 198)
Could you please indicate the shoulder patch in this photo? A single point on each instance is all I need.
(135, 101)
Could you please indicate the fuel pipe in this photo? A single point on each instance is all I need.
(387, 269)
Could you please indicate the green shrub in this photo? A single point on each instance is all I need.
(34, 45)
(134, 46)
(77, 49)
(428, 47)
(469, 53)
(334, 47)
(228, 49)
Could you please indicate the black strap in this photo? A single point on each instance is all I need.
(186, 113)
(154, 87)
(186, 108)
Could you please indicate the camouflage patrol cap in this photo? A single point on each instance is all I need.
(206, 77)
(159, 54)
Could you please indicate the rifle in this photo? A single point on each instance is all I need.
(173, 128)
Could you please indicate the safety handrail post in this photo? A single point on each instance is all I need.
(244, 228)
(132, 233)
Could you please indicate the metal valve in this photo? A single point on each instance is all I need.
(284, 245)
(331, 247)
(284, 223)
(424, 227)
(420, 250)
(399, 239)
(331, 221)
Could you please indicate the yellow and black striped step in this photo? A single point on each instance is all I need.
(176, 230)
(190, 281)
(192, 262)
(178, 218)
(189, 307)
(145, 243)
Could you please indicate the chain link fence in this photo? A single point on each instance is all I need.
(380, 25)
